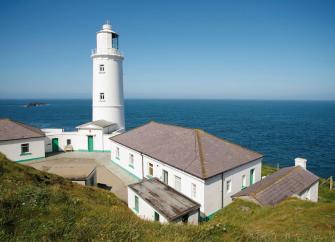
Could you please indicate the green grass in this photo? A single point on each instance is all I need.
(267, 170)
(37, 206)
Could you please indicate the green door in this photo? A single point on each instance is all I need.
(55, 147)
(252, 174)
(90, 143)
(156, 216)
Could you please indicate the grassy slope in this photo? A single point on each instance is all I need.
(39, 206)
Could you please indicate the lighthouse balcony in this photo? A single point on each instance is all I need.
(109, 51)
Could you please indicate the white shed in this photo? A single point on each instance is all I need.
(154, 200)
(21, 142)
(294, 181)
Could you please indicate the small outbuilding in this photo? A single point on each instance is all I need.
(91, 136)
(21, 142)
(78, 170)
(154, 200)
(288, 182)
(84, 174)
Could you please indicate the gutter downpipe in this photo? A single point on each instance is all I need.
(142, 167)
(222, 190)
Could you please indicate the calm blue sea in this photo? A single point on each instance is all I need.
(281, 130)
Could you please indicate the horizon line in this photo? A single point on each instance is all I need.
(198, 99)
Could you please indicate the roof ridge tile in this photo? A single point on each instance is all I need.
(271, 184)
(201, 154)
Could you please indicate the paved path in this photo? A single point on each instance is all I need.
(107, 172)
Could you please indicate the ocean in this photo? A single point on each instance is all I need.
(280, 130)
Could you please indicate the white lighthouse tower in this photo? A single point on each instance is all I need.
(108, 101)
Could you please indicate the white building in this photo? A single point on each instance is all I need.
(92, 137)
(205, 168)
(108, 78)
(154, 200)
(21, 142)
(295, 181)
(107, 101)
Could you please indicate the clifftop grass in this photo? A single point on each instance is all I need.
(37, 206)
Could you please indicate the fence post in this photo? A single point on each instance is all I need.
(331, 183)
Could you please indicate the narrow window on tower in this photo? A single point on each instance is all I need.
(102, 68)
(102, 97)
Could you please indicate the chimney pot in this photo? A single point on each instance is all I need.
(300, 162)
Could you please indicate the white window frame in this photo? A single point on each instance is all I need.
(193, 190)
(177, 183)
(26, 146)
(101, 68)
(228, 186)
(136, 204)
(117, 153)
(308, 194)
(244, 181)
(131, 160)
(150, 169)
(102, 96)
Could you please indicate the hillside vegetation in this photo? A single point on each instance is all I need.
(37, 206)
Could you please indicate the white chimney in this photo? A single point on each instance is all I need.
(300, 162)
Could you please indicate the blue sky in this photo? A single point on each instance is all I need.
(173, 49)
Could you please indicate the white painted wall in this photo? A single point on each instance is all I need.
(98, 140)
(145, 210)
(123, 159)
(192, 219)
(186, 179)
(12, 149)
(213, 195)
(79, 139)
(235, 175)
(311, 193)
(213, 186)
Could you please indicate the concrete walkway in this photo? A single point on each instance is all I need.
(107, 172)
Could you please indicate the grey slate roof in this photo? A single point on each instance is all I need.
(280, 185)
(191, 150)
(100, 123)
(12, 130)
(164, 199)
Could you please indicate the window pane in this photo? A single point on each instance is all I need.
(151, 169)
(131, 160)
(244, 181)
(102, 96)
(165, 177)
(193, 190)
(136, 204)
(117, 153)
(228, 186)
(177, 184)
(252, 176)
(24, 148)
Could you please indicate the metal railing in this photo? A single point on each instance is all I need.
(109, 51)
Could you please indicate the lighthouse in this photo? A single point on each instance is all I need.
(107, 100)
